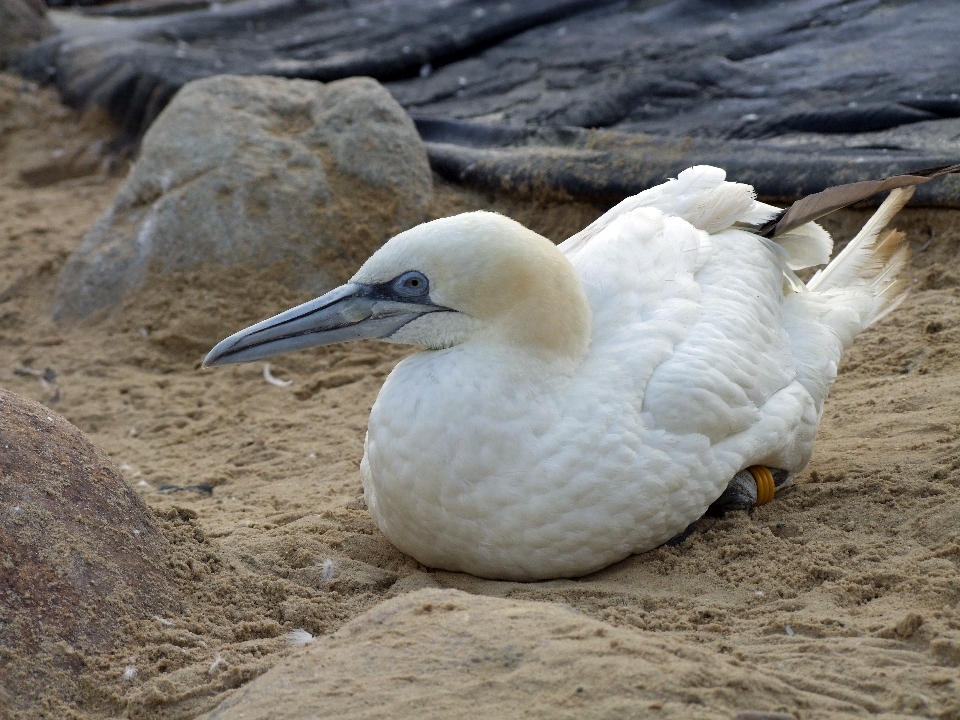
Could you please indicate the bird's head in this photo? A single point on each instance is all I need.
(477, 277)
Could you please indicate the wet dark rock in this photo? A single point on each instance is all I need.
(761, 81)
(612, 164)
(135, 67)
(80, 553)
(137, 8)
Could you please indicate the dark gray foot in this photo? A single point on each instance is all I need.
(742, 492)
(779, 476)
(682, 535)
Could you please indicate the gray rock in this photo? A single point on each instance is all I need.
(257, 172)
(22, 22)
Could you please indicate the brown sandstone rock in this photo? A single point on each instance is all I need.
(448, 654)
(79, 552)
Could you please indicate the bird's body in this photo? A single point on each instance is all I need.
(582, 402)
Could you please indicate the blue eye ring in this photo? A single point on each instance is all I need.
(411, 284)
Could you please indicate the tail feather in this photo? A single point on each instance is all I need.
(887, 287)
(864, 259)
(860, 286)
(897, 253)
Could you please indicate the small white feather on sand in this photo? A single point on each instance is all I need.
(326, 569)
(268, 376)
(217, 663)
(299, 637)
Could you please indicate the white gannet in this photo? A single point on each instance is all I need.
(575, 404)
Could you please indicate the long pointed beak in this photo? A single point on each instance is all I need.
(351, 312)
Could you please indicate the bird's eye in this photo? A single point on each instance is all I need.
(411, 284)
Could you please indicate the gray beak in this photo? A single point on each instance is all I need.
(351, 312)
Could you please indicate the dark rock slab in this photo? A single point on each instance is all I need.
(713, 69)
(758, 79)
(608, 165)
(139, 8)
(135, 67)
(80, 553)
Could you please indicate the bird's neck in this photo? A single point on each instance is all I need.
(550, 322)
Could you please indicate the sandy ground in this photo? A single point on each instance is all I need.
(846, 588)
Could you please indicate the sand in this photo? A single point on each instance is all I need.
(844, 590)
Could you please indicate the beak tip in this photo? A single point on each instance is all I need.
(210, 360)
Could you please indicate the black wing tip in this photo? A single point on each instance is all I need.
(776, 226)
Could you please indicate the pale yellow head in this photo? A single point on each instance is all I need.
(509, 284)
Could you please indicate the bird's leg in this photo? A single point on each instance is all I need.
(779, 477)
(753, 486)
(682, 535)
(749, 488)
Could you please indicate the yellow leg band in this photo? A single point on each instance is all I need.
(765, 486)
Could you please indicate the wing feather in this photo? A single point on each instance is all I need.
(702, 196)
